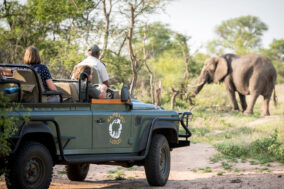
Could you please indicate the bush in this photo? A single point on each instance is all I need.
(233, 150)
(265, 149)
(8, 125)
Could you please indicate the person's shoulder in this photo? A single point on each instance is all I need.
(43, 67)
(89, 61)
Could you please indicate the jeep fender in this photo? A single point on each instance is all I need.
(39, 132)
(167, 128)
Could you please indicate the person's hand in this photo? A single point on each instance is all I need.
(103, 87)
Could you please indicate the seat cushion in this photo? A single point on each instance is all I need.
(69, 91)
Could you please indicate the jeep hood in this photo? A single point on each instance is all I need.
(138, 105)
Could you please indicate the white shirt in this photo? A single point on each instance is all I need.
(97, 65)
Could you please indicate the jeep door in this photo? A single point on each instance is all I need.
(111, 128)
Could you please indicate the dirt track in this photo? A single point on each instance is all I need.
(185, 173)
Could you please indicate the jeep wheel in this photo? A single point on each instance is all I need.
(157, 163)
(78, 171)
(31, 167)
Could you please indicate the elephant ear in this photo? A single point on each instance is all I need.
(221, 69)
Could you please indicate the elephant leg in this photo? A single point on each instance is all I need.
(265, 111)
(249, 109)
(243, 101)
(266, 100)
(232, 97)
(231, 93)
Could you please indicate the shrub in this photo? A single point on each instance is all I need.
(8, 125)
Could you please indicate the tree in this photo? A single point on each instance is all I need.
(241, 35)
(275, 53)
(137, 9)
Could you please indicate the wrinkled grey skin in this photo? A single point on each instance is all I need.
(247, 75)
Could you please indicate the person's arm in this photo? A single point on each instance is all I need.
(106, 83)
(50, 85)
(102, 95)
(6, 72)
(93, 92)
(103, 89)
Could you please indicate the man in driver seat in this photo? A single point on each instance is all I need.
(93, 61)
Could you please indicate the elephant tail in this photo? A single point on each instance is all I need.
(274, 97)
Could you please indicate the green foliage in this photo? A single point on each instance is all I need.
(242, 35)
(220, 173)
(118, 67)
(197, 63)
(275, 53)
(232, 149)
(264, 149)
(205, 169)
(168, 68)
(116, 174)
(9, 123)
(226, 166)
(213, 96)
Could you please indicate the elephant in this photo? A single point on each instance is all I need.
(251, 74)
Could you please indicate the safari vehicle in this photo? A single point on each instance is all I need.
(116, 131)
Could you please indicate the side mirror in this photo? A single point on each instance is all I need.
(125, 94)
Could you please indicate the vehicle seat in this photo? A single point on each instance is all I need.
(69, 91)
(30, 87)
(28, 84)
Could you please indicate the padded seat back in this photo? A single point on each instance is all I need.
(69, 91)
(29, 84)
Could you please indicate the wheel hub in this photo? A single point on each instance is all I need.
(32, 170)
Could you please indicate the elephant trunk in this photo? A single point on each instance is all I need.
(198, 89)
(201, 82)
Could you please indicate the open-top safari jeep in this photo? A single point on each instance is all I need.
(116, 131)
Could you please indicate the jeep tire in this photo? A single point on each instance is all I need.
(77, 171)
(157, 163)
(30, 168)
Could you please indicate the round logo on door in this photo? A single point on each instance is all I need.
(115, 127)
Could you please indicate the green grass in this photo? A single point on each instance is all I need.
(226, 166)
(61, 172)
(205, 170)
(220, 173)
(234, 134)
(131, 169)
(116, 174)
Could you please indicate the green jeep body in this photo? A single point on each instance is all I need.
(113, 131)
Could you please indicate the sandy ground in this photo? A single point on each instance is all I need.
(186, 164)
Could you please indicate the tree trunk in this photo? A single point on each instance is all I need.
(152, 87)
(151, 75)
(106, 29)
(173, 98)
(158, 97)
(158, 94)
(133, 84)
(131, 53)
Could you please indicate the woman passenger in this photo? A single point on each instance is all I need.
(32, 59)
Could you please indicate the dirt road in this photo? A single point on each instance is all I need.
(190, 168)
